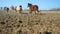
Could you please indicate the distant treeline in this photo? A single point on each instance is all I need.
(55, 9)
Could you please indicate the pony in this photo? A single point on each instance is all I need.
(6, 8)
(18, 9)
(32, 8)
(12, 7)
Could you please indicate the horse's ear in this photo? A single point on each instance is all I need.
(20, 5)
(29, 3)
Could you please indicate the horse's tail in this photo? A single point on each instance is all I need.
(37, 8)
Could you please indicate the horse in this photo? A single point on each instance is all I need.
(12, 7)
(32, 8)
(18, 9)
(6, 8)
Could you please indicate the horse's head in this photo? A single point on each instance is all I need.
(20, 6)
(29, 4)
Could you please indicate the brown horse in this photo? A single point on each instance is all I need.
(32, 8)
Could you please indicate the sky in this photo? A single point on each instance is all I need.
(42, 4)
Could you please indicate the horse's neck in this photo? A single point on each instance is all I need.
(31, 6)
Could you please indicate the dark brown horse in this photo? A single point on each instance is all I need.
(6, 8)
(32, 8)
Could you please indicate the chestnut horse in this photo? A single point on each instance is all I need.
(32, 8)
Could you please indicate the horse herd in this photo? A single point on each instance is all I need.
(32, 8)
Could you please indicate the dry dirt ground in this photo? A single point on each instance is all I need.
(47, 22)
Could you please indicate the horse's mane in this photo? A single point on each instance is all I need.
(29, 4)
(20, 6)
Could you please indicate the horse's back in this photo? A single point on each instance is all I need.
(36, 6)
(18, 8)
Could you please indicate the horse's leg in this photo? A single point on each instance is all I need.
(34, 11)
(7, 10)
(16, 10)
(30, 11)
(37, 10)
(20, 11)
